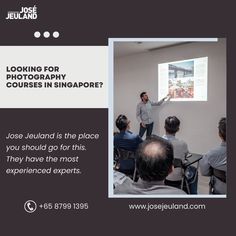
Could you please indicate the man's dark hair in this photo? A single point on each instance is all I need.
(222, 128)
(172, 124)
(141, 94)
(154, 159)
(122, 122)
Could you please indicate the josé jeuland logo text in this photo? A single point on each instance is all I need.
(25, 13)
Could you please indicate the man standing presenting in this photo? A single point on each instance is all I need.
(144, 113)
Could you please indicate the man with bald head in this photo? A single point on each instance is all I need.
(154, 164)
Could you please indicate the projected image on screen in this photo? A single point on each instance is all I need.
(183, 80)
(181, 70)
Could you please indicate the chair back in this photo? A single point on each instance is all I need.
(217, 175)
(125, 154)
(125, 162)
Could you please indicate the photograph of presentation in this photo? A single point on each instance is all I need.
(167, 118)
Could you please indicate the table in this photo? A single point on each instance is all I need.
(192, 159)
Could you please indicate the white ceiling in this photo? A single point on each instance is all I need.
(122, 49)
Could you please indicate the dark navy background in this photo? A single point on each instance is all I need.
(81, 22)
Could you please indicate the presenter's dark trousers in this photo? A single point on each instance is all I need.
(148, 129)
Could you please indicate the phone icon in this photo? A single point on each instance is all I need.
(30, 206)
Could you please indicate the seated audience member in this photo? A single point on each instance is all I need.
(126, 140)
(172, 124)
(214, 162)
(154, 163)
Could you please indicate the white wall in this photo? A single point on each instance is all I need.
(136, 73)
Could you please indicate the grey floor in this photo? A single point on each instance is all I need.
(203, 184)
